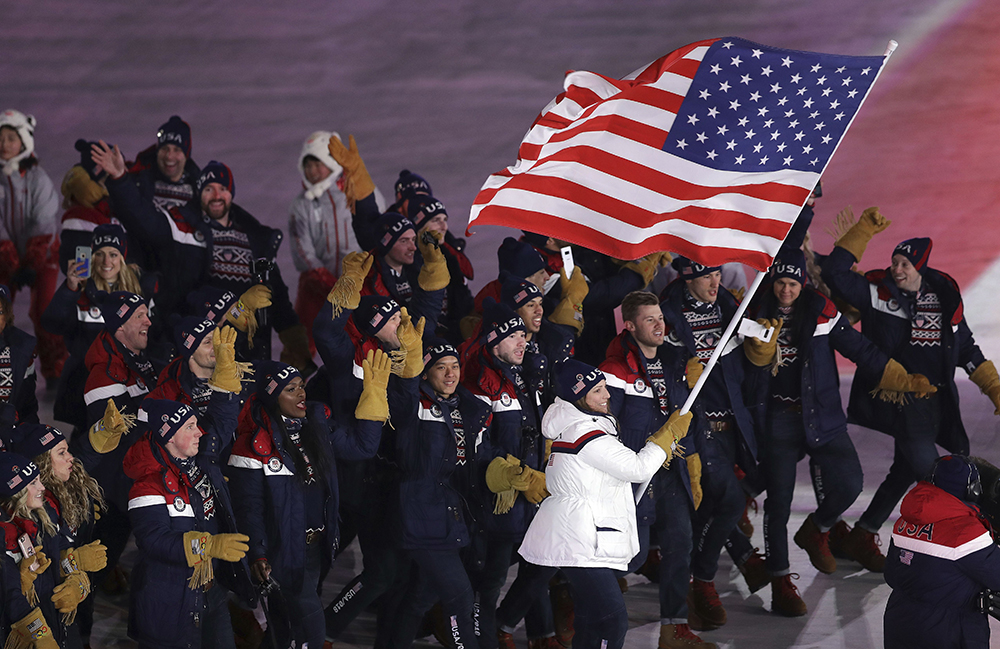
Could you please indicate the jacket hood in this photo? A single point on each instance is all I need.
(927, 504)
(563, 415)
(98, 352)
(142, 459)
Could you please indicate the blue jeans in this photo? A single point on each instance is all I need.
(601, 620)
(914, 453)
(837, 477)
(673, 531)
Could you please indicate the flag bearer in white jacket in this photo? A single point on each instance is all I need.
(587, 527)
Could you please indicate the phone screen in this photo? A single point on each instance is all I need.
(83, 259)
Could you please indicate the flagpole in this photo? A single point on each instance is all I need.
(733, 324)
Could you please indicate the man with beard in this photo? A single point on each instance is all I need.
(220, 244)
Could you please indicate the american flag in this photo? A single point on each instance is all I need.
(709, 151)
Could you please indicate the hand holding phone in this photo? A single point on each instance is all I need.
(760, 332)
(28, 550)
(83, 261)
(567, 259)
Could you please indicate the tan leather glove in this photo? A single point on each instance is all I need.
(648, 266)
(896, 384)
(536, 491)
(86, 558)
(694, 473)
(374, 402)
(73, 590)
(295, 349)
(692, 371)
(32, 631)
(358, 182)
(28, 575)
(672, 432)
(986, 379)
(505, 473)
(201, 547)
(569, 311)
(759, 352)
(737, 293)
(434, 274)
(411, 343)
(856, 239)
(228, 374)
(346, 293)
(243, 314)
(107, 432)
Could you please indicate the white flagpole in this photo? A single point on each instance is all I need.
(727, 334)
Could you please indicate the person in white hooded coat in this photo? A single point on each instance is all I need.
(320, 227)
(587, 526)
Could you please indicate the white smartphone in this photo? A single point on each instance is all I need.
(83, 261)
(751, 328)
(567, 258)
(28, 550)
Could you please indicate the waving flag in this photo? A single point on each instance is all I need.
(710, 151)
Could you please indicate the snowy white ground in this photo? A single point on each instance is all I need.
(447, 88)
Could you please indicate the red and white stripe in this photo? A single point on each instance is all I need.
(591, 171)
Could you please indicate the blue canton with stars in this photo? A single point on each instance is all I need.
(757, 108)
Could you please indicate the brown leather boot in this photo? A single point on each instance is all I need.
(744, 524)
(679, 636)
(785, 598)
(755, 572)
(836, 539)
(816, 545)
(862, 546)
(705, 611)
(505, 640)
(562, 612)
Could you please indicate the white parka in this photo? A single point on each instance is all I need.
(589, 520)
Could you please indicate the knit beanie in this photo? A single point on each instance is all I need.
(109, 235)
(373, 312)
(790, 263)
(25, 127)
(118, 307)
(189, 332)
(917, 251)
(516, 292)
(518, 258)
(31, 440)
(574, 379)
(164, 418)
(175, 131)
(272, 377)
(211, 303)
(410, 184)
(317, 145)
(437, 348)
(216, 172)
(391, 226)
(422, 208)
(958, 476)
(16, 473)
(86, 159)
(688, 269)
(499, 321)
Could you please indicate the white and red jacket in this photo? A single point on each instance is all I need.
(589, 520)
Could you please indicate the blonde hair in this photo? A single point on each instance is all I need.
(75, 494)
(18, 506)
(128, 280)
